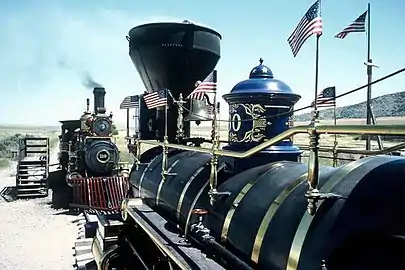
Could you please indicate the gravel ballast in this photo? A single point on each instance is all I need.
(32, 234)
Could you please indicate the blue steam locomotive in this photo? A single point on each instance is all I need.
(251, 204)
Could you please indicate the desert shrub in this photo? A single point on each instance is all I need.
(8, 144)
(114, 130)
(4, 162)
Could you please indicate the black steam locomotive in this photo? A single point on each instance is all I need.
(251, 204)
(88, 156)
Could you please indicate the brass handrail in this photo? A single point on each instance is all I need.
(314, 130)
(343, 150)
(321, 129)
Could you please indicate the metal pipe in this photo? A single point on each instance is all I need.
(327, 129)
(219, 249)
(359, 151)
(345, 159)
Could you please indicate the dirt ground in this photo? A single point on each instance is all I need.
(33, 236)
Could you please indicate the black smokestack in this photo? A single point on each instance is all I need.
(99, 93)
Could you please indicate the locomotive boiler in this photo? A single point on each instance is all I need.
(250, 204)
(88, 156)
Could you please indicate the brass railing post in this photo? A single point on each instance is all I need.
(335, 153)
(137, 153)
(313, 165)
(180, 124)
(214, 156)
(164, 157)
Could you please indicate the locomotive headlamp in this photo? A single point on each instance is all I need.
(103, 156)
(102, 126)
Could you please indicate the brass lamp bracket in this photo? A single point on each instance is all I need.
(313, 195)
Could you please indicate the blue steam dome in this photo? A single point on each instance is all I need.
(259, 109)
(261, 81)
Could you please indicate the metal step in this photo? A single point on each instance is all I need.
(37, 145)
(33, 164)
(30, 189)
(32, 195)
(35, 184)
(36, 151)
(34, 172)
(9, 193)
(26, 181)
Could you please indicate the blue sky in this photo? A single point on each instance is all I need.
(47, 46)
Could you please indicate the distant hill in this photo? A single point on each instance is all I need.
(29, 128)
(389, 105)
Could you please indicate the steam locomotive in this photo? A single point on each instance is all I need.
(243, 206)
(88, 157)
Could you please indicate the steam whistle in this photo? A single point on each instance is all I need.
(87, 105)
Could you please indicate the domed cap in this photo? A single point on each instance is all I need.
(261, 71)
(85, 116)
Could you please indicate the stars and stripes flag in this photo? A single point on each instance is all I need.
(326, 98)
(359, 25)
(156, 99)
(208, 86)
(310, 24)
(130, 102)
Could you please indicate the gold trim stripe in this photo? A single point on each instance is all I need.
(245, 190)
(163, 181)
(143, 176)
(305, 223)
(185, 188)
(257, 246)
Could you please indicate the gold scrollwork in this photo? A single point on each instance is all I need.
(259, 123)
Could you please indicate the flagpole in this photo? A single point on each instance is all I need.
(165, 142)
(316, 77)
(369, 77)
(127, 122)
(317, 70)
(335, 143)
(313, 164)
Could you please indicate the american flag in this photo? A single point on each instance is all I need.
(326, 98)
(359, 25)
(156, 99)
(130, 102)
(310, 24)
(208, 86)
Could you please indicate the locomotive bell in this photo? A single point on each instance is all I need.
(259, 109)
(198, 112)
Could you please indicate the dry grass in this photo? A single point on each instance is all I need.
(8, 131)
